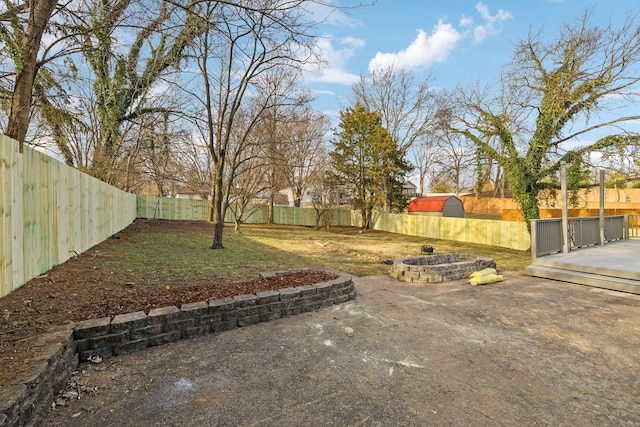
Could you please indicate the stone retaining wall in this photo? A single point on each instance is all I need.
(26, 403)
(60, 351)
(438, 268)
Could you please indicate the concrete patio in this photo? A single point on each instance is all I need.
(526, 351)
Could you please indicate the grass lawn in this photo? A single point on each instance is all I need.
(165, 251)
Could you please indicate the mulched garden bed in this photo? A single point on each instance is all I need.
(73, 292)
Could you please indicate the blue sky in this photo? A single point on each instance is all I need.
(458, 41)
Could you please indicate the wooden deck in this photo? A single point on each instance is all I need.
(615, 266)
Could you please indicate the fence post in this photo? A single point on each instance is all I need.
(601, 216)
(625, 227)
(534, 241)
(565, 207)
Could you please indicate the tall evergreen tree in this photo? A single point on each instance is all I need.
(367, 162)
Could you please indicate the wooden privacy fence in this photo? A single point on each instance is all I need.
(506, 234)
(197, 210)
(513, 235)
(168, 208)
(49, 212)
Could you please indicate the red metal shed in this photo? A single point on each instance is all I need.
(446, 206)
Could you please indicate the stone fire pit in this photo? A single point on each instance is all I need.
(438, 268)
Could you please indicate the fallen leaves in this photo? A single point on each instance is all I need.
(76, 387)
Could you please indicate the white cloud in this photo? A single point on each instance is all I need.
(492, 23)
(320, 92)
(354, 42)
(335, 75)
(329, 13)
(335, 59)
(423, 51)
(466, 21)
(428, 49)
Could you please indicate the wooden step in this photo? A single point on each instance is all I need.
(584, 278)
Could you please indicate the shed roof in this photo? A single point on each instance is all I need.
(429, 203)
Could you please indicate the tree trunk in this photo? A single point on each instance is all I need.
(18, 124)
(297, 197)
(272, 198)
(218, 230)
(327, 218)
(526, 195)
(218, 209)
(240, 206)
(366, 216)
(105, 153)
(212, 196)
(529, 205)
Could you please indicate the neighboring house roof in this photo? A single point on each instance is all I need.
(429, 203)
(181, 189)
(409, 184)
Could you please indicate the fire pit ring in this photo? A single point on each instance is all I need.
(438, 268)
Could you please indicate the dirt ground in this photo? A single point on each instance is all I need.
(83, 288)
(525, 351)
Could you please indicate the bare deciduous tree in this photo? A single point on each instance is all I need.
(325, 197)
(125, 74)
(194, 165)
(454, 161)
(425, 152)
(408, 105)
(554, 98)
(248, 184)
(303, 157)
(239, 46)
(23, 45)
(276, 126)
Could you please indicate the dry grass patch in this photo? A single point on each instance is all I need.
(361, 252)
